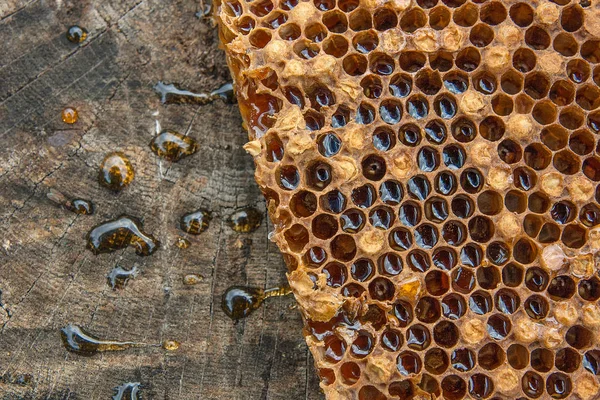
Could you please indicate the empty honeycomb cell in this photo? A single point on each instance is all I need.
(488, 277)
(343, 247)
(591, 168)
(466, 15)
(412, 61)
(502, 104)
(574, 236)
(303, 204)
(481, 35)
(436, 361)
(439, 17)
(567, 360)
(562, 92)
(446, 334)
(537, 38)
(384, 19)
(307, 50)
(521, 14)
(582, 142)
(524, 60)
(571, 18)
(542, 360)
(588, 97)
(413, 20)
(565, 44)
(441, 61)
(453, 387)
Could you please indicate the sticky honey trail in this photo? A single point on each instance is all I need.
(431, 171)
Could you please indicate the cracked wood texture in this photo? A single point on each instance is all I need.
(47, 277)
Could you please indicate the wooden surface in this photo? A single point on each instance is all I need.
(49, 279)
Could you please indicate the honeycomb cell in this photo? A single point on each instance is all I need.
(536, 307)
(409, 363)
(571, 18)
(391, 340)
(343, 248)
(333, 202)
(453, 306)
(324, 226)
(400, 85)
(412, 61)
(315, 257)
(463, 280)
(364, 42)
(567, 360)
(466, 15)
(480, 302)
(456, 82)
(537, 38)
(354, 64)
(390, 264)
(582, 142)
(446, 334)
(360, 20)
(410, 214)
(439, 17)
(589, 289)
(453, 387)
(303, 204)
(350, 372)
(559, 385)
(334, 349)
(362, 345)
(400, 239)
(481, 35)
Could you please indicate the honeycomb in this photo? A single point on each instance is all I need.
(431, 168)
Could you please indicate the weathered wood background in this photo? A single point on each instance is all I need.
(49, 279)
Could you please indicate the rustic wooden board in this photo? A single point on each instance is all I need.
(49, 279)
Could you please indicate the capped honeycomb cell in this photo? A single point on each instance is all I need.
(431, 168)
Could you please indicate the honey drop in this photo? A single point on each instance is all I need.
(245, 220)
(76, 34)
(170, 345)
(127, 391)
(240, 301)
(195, 222)
(80, 206)
(78, 341)
(173, 146)
(182, 243)
(120, 233)
(118, 277)
(170, 94)
(116, 172)
(192, 279)
(69, 115)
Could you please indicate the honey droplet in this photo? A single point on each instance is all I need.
(170, 94)
(77, 340)
(120, 233)
(127, 391)
(80, 206)
(170, 345)
(240, 301)
(192, 279)
(116, 172)
(76, 34)
(182, 243)
(225, 93)
(195, 222)
(245, 220)
(119, 276)
(173, 146)
(69, 115)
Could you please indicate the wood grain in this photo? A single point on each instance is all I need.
(49, 279)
